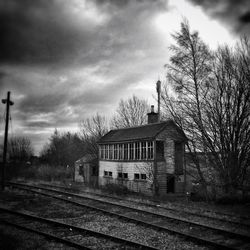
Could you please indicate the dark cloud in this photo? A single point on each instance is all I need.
(40, 124)
(234, 13)
(2, 74)
(66, 60)
(122, 3)
(245, 18)
(42, 103)
(40, 32)
(52, 32)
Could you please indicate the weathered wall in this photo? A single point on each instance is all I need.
(162, 177)
(170, 161)
(125, 167)
(131, 168)
(78, 177)
(169, 155)
(179, 184)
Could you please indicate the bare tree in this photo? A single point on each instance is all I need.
(20, 149)
(131, 112)
(227, 112)
(211, 104)
(91, 130)
(188, 74)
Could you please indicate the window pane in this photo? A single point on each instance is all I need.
(150, 150)
(143, 176)
(143, 150)
(110, 173)
(106, 152)
(120, 151)
(119, 175)
(137, 150)
(106, 173)
(131, 151)
(125, 175)
(125, 151)
(111, 152)
(102, 151)
(116, 151)
(136, 176)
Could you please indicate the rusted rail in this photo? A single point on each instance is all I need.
(242, 219)
(195, 232)
(63, 232)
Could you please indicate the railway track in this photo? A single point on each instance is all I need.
(68, 234)
(230, 218)
(192, 231)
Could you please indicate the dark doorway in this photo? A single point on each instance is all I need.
(170, 183)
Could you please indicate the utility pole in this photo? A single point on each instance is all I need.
(8, 103)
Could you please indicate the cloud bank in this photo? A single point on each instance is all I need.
(235, 14)
(65, 60)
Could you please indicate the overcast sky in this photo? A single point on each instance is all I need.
(66, 60)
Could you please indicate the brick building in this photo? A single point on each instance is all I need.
(144, 157)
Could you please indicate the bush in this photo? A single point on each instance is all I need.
(230, 200)
(41, 172)
(116, 189)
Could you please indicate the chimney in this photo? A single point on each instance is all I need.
(152, 116)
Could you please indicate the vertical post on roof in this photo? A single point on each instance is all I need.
(158, 89)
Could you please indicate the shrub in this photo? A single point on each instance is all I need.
(41, 172)
(230, 200)
(116, 189)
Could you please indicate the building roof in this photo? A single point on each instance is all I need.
(88, 158)
(149, 131)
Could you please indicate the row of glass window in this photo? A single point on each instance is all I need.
(127, 151)
(121, 175)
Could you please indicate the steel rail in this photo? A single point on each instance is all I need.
(71, 227)
(164, 208)
(46, 235)
(187, 236)
(233, 234)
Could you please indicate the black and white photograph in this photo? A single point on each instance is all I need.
(124, 124)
